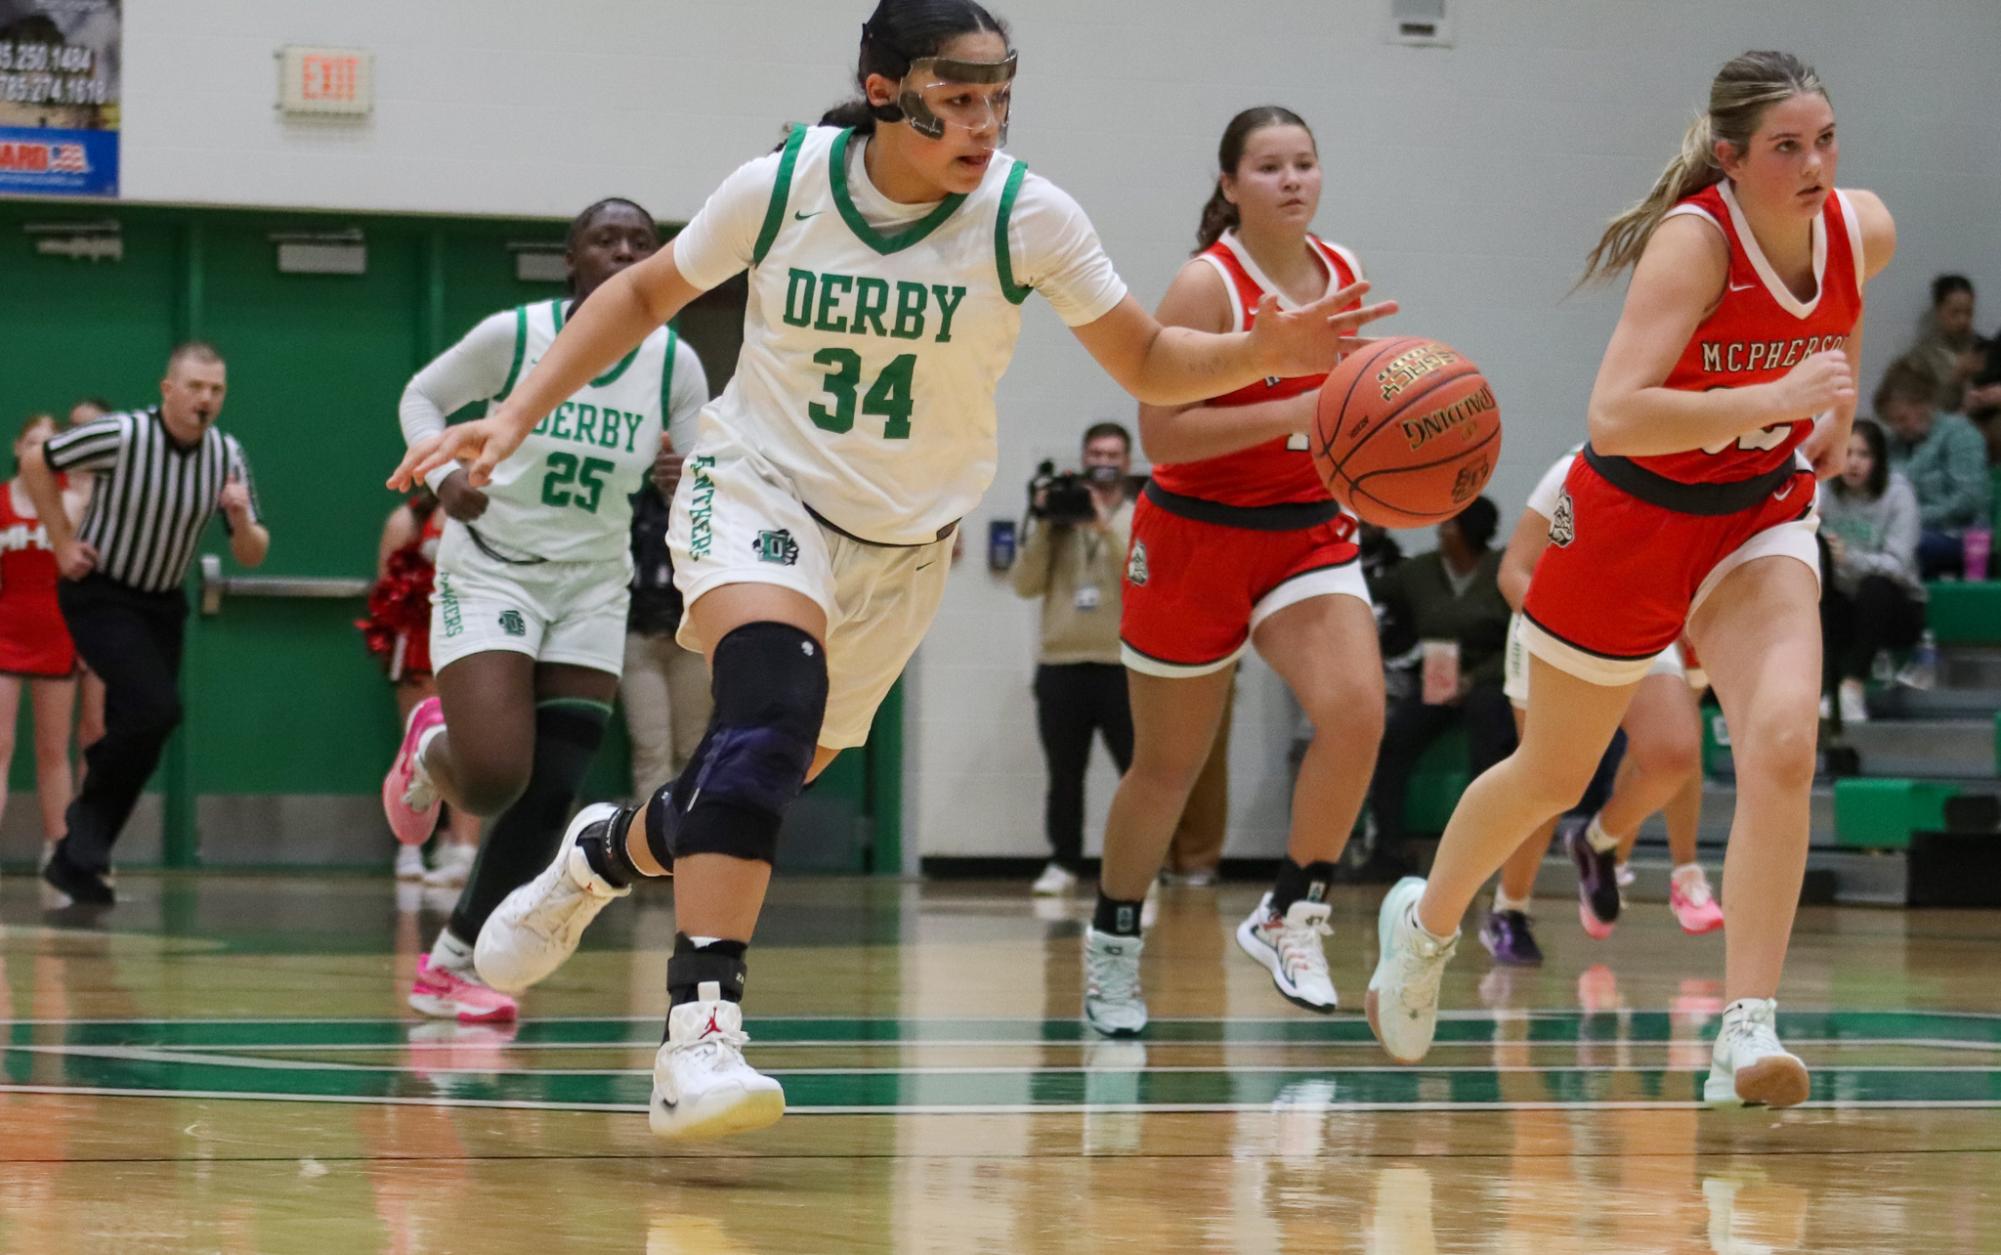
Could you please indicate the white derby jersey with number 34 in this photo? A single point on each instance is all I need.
(870, 358)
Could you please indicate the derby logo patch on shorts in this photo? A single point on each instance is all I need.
(776, 547)
(512, 623)
(1136, 565)
(1563, 524)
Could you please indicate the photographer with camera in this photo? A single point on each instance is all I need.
(1073, 557)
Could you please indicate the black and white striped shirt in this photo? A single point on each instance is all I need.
(153, 497)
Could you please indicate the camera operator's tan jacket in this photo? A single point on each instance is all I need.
(1058, 563)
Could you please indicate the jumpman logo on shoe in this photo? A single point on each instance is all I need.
(714, 1029)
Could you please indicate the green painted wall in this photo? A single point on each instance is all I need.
(281, 697)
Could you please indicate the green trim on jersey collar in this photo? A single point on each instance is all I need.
(520, 352)
(781, 191)
(602, 381)
(1002, 262)
(837, 173)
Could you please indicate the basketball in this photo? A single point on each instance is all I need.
(1406, 432)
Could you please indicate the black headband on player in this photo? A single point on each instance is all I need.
(929, 96)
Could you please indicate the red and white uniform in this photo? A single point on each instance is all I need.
(34, 641)
(398, 627)
(1221, 544)
(1638, 543)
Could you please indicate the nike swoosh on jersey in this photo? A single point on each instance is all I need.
(1742, 287)
(802, 217)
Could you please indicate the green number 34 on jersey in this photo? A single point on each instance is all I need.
(888, 397)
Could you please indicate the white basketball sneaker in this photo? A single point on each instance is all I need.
(537, 927)
(702, 1088)
(1748, 1067)
(1403, 994)
(1290, 948)
(1112, 1001)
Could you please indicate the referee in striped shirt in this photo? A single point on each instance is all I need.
(164, 472)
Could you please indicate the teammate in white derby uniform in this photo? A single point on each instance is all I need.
(529, 604)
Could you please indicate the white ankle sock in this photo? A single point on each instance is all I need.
(450, 952)
(1424, 932)
(424, 743)
(1502, 902)
(1600, 840)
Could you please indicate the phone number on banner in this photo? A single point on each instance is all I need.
(60, 58)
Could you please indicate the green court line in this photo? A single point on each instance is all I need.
(886, 1091)
(1607, 1028)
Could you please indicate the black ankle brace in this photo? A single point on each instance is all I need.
(718, 961)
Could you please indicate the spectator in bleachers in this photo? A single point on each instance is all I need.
(1946, 345)
(1448, 605)
(1983, 397)
(1945, 458)
(1875, 600)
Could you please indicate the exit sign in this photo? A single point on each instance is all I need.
(326, 80)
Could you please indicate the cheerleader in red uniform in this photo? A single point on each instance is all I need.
(398, 632)
(35, 647)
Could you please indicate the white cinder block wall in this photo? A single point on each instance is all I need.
(1471, 179)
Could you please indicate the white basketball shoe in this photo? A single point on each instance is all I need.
(702, 1087)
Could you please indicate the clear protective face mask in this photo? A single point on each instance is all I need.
(938, 93)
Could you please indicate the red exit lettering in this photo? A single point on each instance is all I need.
(331, 78)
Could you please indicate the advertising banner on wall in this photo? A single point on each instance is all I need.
(59, 97)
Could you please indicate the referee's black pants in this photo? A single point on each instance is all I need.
(1073, 701)
(132, 640)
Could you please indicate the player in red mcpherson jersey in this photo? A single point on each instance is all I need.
(1729, 385)
(1237, 543)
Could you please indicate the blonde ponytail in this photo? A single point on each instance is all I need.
(1742, 91)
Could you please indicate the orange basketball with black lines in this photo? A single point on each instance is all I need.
(1406, 432)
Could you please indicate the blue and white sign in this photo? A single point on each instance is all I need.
(59, 73)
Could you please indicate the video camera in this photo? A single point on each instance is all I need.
(1066, 498)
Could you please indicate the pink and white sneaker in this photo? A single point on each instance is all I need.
(408, 798)
(443, 994)
(1694, 906)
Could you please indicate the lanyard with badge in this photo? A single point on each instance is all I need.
(1090, 596)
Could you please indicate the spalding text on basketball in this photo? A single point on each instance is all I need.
(1406, 369)
(1425, 428)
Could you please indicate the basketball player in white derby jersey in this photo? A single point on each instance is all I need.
(890, 251)
(528, 613)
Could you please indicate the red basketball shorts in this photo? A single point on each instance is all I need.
(1622, 577)
(1195, 591)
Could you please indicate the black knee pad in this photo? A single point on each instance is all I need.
(770, 691)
